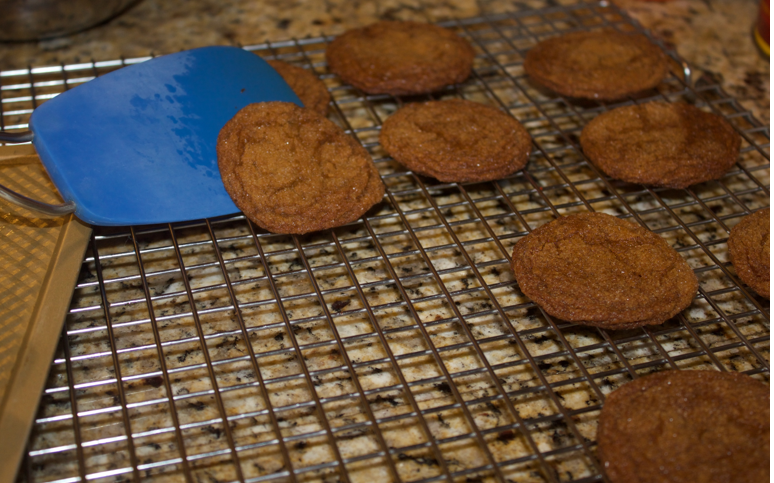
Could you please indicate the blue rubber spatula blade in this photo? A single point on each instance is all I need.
(137, 146)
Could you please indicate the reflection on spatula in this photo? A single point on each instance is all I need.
(137, 146)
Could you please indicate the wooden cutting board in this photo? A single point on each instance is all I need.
(40, 258)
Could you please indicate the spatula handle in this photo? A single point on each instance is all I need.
(21, 200)
(39, 206)
(15, 137)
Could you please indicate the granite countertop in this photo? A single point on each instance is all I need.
(713, 35)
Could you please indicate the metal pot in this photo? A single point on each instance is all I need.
(42, 19)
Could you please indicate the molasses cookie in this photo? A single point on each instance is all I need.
(686, 427)
(291, 170)
(456, 140)
(604, 65)
(400, 58)
(749, 247)
(661, 144)
(595, 269)
(306, 85)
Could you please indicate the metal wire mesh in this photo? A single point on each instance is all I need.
(398, 347)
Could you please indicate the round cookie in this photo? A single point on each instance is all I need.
(595, 269)
(686, 427)
(291, 170)
(749, 247)
(400, 58)
(306, 85)
(661, 144)
(456, 140)
(602, 64)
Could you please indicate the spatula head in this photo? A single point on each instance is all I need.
(137, 146)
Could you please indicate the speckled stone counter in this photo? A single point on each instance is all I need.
(359, 344)
(713, 35)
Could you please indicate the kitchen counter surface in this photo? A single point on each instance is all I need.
(713, 35)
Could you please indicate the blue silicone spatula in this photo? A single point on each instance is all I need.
(137, 146)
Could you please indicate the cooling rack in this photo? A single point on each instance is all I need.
(398, 347)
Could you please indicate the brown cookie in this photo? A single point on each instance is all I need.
(749, 247)
(661, 144)
(603, 64)
(306, 85)
(456, 140)
(291, 170)
(400, 58)
(686, 427)
(595, 269)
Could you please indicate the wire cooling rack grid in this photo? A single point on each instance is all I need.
(398, 347)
